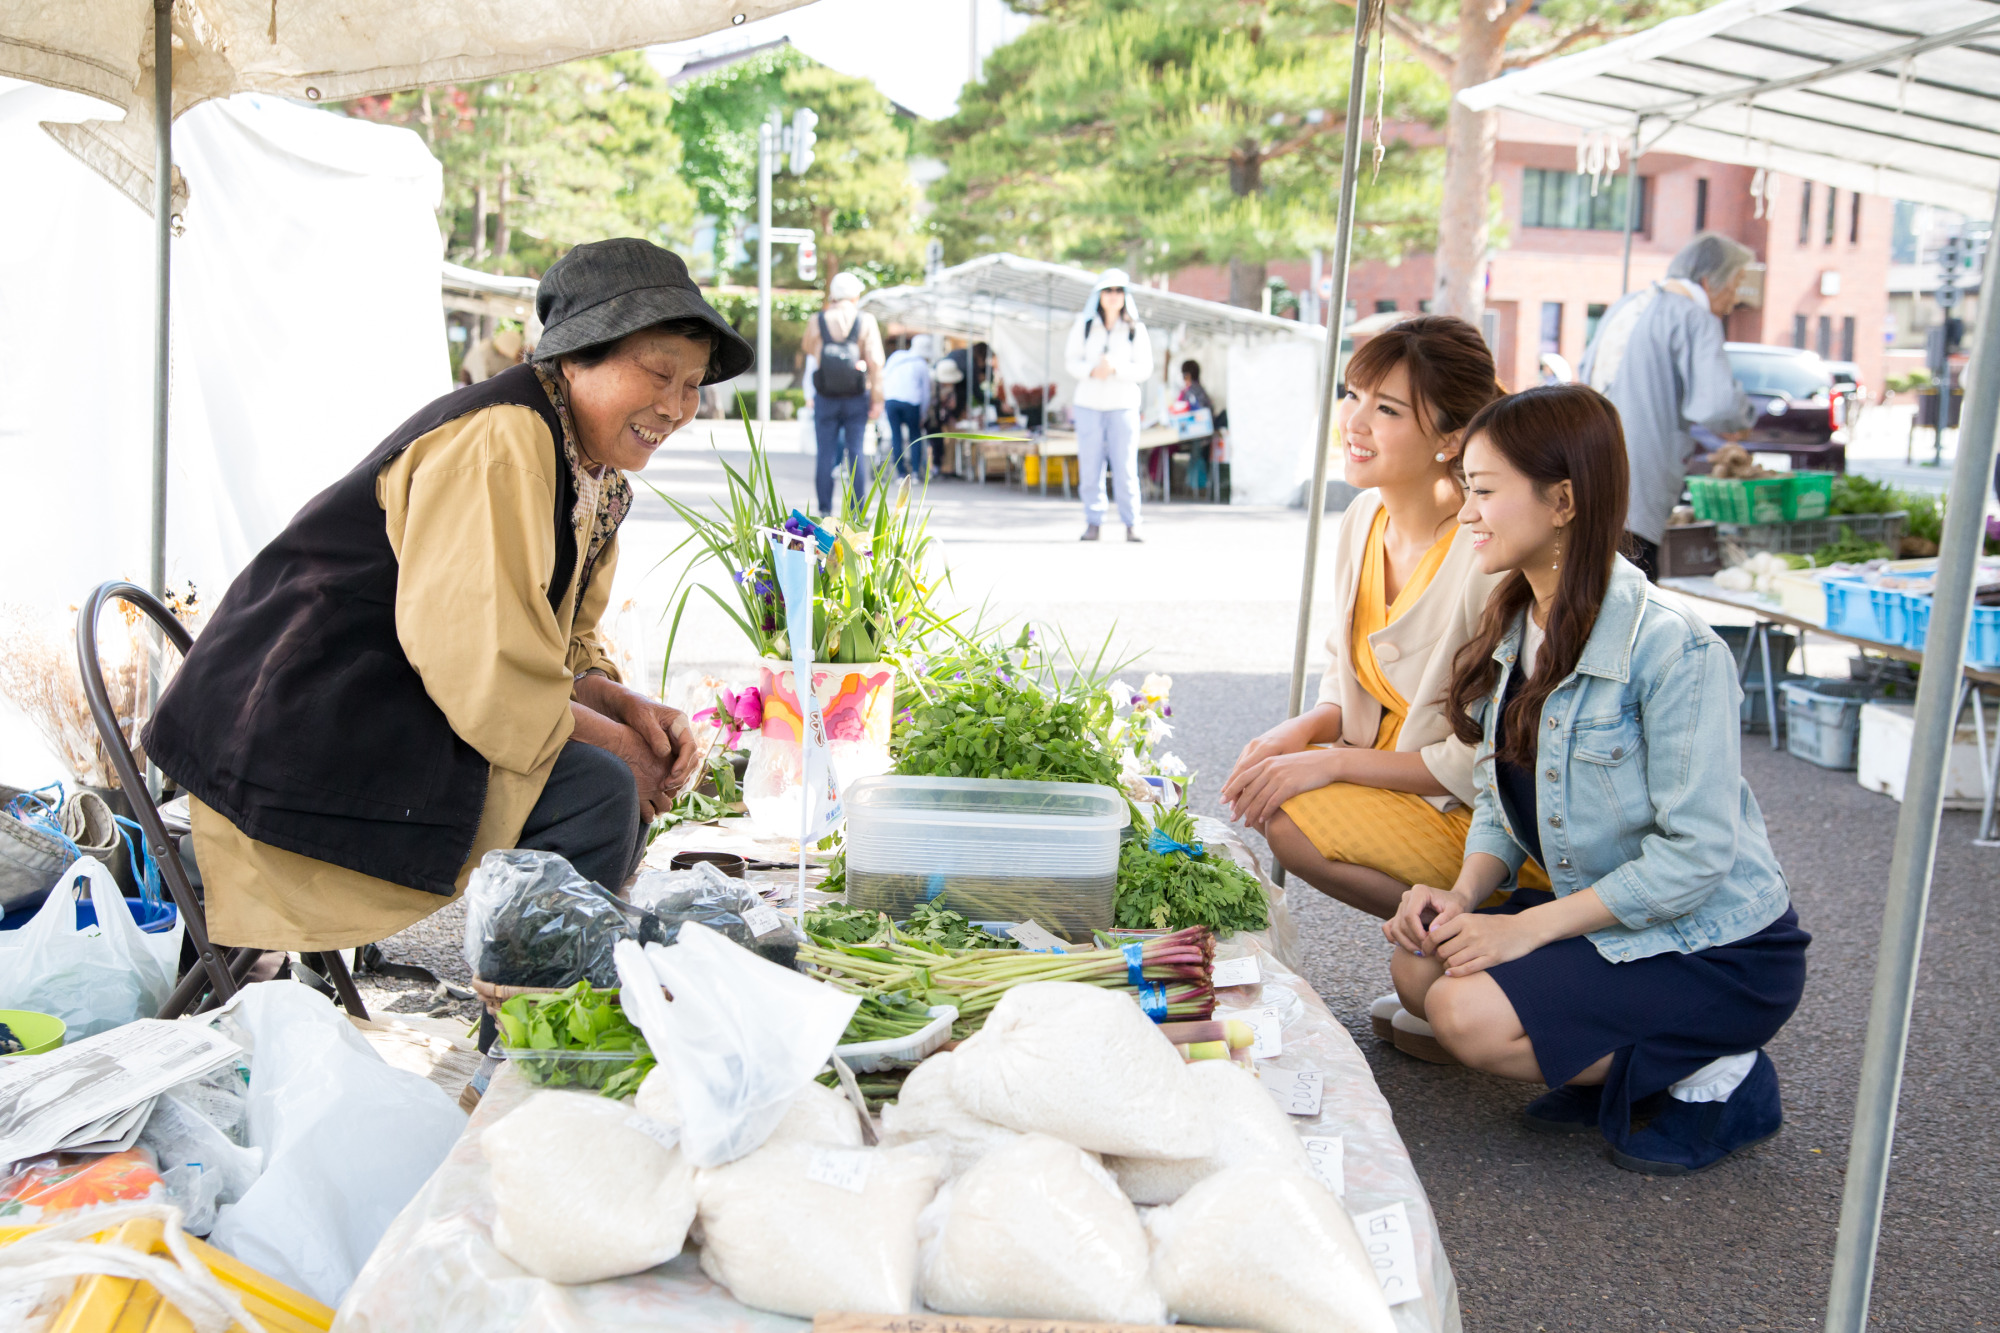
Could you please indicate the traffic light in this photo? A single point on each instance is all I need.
(808, 261)
(803, 139)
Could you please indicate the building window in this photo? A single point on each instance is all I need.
(1832, 212)
(1701, 204)
(1592, 315)
(1385, 306)
(1799, 332)
(1423, 307)
(1563, 199)
(1552, 327)
(1805, 212)
(1854, 218)
(1824, 344)
(1847, 338)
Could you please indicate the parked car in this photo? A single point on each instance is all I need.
(1847, 378)
(1802, 406)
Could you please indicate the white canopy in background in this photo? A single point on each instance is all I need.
(1025, 307)
(1885, 97)
(307, 325)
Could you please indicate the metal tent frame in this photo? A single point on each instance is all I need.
(1883, 98)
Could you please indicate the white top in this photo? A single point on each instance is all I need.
(1531, 645)
(907, 378)
(1125, 346)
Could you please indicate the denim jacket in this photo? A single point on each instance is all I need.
(1639, 783)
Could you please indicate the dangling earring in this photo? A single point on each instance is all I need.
(1556, 562)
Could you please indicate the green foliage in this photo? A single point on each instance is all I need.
(1926, 511)
(1172, 890)
(557, 1027)
(1856, 494)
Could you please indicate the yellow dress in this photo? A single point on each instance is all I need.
(1400, 834)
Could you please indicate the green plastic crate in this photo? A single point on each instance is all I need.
(1808, 495)
(1741, 499)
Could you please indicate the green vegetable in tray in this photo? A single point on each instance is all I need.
(573, 1021)
(1167, 881)
(935, 924)
(1926, 512)
(1854, 494)
(885, 1017)
(929, 924)
(847, 925)
(1008, 729)
(1849, 549)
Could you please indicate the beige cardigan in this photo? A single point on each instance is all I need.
(1415, 652)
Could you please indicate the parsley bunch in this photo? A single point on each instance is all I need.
(1000, 727)
(1172, 890)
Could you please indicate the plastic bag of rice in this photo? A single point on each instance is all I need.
(797, 1227)
(586, 1188)
(1084, 1065)
(818, 1114)
(1039, 1230)
(1265, 1248)
(1249, 1127)
(925, 1110)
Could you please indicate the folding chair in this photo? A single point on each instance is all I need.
(217, 972)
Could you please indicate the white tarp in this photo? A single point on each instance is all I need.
(306, 326)
(1272, 411)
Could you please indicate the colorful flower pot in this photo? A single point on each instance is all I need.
(858, 702)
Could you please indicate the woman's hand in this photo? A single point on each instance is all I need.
(1102, 370)
(1422, 910)
(1288, 737)
(1256, 793)
(1472, 941)
(661, 730)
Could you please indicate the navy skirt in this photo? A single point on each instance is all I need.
(1660, 1018)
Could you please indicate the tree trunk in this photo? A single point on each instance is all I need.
(479, 211)
(1246, 276)
(502, 235)
(1460, 274)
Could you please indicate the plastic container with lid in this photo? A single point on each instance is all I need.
(990, 849)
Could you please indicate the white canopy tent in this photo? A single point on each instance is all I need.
(1880, 96)
(1263, 369)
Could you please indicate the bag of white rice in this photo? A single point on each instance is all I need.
(1085, 1065)
(1266, 1248)
(1249, 1127)
(818, 1114)
(797, 1228)
(1037, 1230)
(926, 1110)
(586, 1188)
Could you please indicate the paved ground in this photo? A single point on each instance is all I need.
(1544, 1234)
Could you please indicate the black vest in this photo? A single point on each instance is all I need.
(297, 717)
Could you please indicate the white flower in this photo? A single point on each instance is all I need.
(1115, 731)
(1122, 695)
(1170, 765)
(1157, 728)
(1156, 687)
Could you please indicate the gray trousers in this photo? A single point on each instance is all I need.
(1113, 438)
(588, 814)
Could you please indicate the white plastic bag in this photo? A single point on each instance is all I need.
(927, 1112)
(1037, 1230)
(818, 1114)
(348, 1140)
(1266, 1248)
(1249, 1127)
(94, 979)
(741, 1037)
(202, 1168)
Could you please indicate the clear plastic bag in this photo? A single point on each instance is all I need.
(706, 895)
(94, 979)
(202, 1168)
(531, 920)
(741, 1037)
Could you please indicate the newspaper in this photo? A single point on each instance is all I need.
(99, 1090)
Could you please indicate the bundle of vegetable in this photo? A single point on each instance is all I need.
(1167, 881)
(1850, 550)
(1168, 974)
(1002, 727)
(928, 924)
(885, 1017)
(1733, 461)
(1856, 494)
(563, 1040)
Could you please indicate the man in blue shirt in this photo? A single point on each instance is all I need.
(906, 392)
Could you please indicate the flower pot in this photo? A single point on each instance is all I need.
(858, 702)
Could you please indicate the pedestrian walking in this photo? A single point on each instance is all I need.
(906, 391)
(847, 385)
(1110, 356)
(1666, 953)
(1659, 357)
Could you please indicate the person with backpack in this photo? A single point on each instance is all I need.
(1109, 356)
(848, 383)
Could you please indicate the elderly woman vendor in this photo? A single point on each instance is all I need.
(410, 674)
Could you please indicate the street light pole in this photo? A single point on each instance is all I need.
(766, 150)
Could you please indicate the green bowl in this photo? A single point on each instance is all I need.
(38, 1033)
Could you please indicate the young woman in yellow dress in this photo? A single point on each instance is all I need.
(1370, 791)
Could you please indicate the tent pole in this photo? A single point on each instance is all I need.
(766, 150)
(1916, 832)
(163, 231)
(1631, 207)
(1343, 243)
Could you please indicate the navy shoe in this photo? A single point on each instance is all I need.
(1693, 1136)
(1569, 1109)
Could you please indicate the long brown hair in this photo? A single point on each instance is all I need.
(1450, 368)
(1559, 432)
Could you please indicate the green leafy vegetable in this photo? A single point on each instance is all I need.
(935, 924)
(549, 1034)
(1171, 890)
(847, 925)
(1856, 494)
(1009, 728)
(1848, 549)
(885, 1017)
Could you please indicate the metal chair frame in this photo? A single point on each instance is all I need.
(218, 970)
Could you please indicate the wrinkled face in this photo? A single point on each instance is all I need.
(626, 405)
(1384, 444)
(1514, 524)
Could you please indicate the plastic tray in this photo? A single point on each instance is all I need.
(1808, 535)
(1823, 718)
(1982, 635)
(1808, 495)
(993, 850)
(865, 1057)
(584, 1070)
(1852, 607)
(1740, 499)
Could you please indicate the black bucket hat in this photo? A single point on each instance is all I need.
(599, 292)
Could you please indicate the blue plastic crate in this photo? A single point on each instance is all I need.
(1850, 610)
(1823, 718)
(1982, 636)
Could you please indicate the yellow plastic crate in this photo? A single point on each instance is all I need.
(101, 1304)
(1060, 469)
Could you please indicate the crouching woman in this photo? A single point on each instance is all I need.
(1667, 952)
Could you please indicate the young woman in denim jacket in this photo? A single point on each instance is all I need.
(1668, 953)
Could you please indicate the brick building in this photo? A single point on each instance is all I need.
(1825, 254)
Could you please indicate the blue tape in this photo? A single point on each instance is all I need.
(1135, 963)
(1161, 844)
(1153, 999)
(935, 887)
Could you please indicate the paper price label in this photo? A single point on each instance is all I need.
(1328, 1154)
(842, 1168)
(667, 1136)
(1267, 1023)
(763, 919)
(1036, 940)
(1297, 1090)
(1385, 1233)
(1235, 972)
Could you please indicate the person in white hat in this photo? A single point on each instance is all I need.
(848, 383)
(1110, 356)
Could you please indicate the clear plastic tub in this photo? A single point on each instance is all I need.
(586, 1071)
(868, 1057)
(990, 849)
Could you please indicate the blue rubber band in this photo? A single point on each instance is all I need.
(1135, 963)
(1153, 1000)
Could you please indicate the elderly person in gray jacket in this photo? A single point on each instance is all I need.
(1658, 356)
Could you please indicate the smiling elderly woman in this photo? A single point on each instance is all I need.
(410, 674)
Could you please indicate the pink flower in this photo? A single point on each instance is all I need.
(735, 713)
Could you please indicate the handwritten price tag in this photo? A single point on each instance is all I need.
(1386, 1235)
(1297, 1090)
(664, 1135)
(763, 919)
(1036, 940)
(842, 1168)
(1328, 1154)
(1269, 1025)
(1236, 972)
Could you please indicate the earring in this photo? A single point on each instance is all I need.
(1556, 562)
(1439, 455)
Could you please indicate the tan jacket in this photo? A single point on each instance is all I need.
(1415, 651)
(467, 511)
